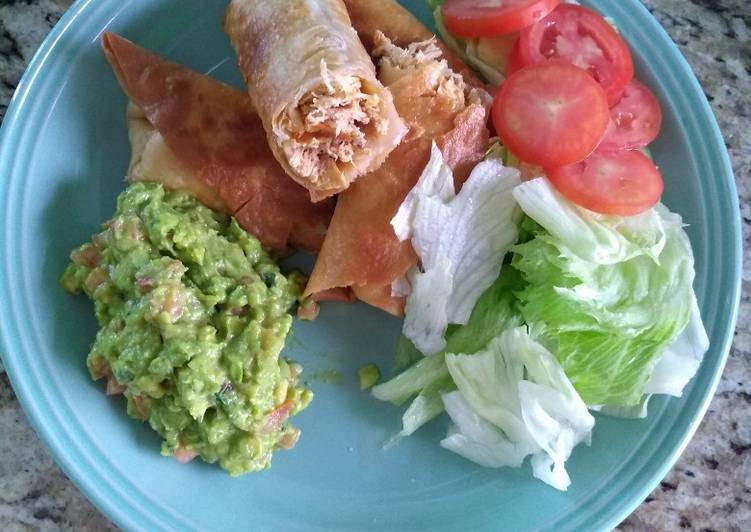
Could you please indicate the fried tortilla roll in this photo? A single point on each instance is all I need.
(361, 250)
(327, 117)
(191, 132)
(402, 28)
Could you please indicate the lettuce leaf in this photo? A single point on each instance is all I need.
(461, 240)
(611, 319)
(593, 237)
(676, 366)
(495, 311)
(426, 311)
(478, 440)
(412, 380)
(515, 400)
(427, 405)
(607, 295)
(436, 182)
(680, 361)
(406, 354)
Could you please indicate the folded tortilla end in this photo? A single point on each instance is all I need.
(193, 133)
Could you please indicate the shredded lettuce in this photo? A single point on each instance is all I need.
(607, 295)
(461, 240)
(436, 182)
(426, 311)
(637, 411)
(427, 405)
(496, 311)
(412, 381)
(680, 361)
(675, 367)
(476, 439)
(406, 354)
(594, 237)
(589, 311)
(515, 400)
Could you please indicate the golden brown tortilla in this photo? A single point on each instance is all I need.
(403, 29)
(191, 132)
(361, 250)
(327, 117)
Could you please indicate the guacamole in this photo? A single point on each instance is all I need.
(193, 314)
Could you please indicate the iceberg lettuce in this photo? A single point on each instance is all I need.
(412, 381)
(428, 378)
(514, 400)
(461, 240)
(589, 311)
(681, 359)
(606, 294)
(676, 366)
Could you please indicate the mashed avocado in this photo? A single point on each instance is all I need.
(193, 315)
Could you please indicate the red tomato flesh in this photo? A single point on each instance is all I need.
(623, 183)
(585, 39)
(514, 60)
(486, 18)
(634, 121)
(553, 114)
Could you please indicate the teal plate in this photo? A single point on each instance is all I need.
(63, 153)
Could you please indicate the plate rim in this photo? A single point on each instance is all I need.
(123, 514)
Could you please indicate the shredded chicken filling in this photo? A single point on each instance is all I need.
(396, 62)
(329, 124)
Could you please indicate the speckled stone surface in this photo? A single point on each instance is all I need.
(709, 488)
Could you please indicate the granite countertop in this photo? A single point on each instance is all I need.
(710, 486)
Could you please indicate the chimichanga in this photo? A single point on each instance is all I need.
(361, 250)
(191, 132)
(402, 28)
(328, 119)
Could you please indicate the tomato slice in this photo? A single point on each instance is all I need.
(634, 121)
(621, 183)
(584, 38)
(551, 114)
(486, 18)
(515, 59)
